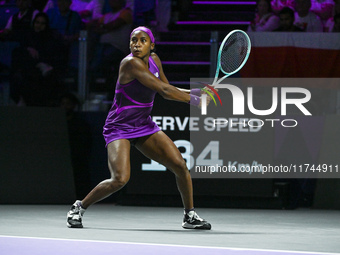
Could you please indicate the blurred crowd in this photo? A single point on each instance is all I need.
(297, 16)
(47, 34)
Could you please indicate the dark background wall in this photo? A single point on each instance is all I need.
(35, 163)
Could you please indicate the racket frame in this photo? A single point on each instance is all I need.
(218, 67)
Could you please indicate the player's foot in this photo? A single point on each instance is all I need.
(75, 215)
(192, 221)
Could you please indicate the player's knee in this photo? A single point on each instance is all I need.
(119, 181)
(122, 180)
(180, 167)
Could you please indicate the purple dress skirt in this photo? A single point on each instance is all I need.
(129, 116)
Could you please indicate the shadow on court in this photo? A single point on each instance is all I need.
(183, 231)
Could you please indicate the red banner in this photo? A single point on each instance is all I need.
(293, 55)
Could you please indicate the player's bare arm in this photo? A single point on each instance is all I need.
(134, 68)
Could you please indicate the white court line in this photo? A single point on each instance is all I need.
(176, 245)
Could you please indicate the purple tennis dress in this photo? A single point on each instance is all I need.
(129, 116)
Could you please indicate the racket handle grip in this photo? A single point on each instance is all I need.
(195, 92)
(194, 100)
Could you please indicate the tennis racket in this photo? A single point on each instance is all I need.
(232, 55)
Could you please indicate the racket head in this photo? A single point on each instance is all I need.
(233, 53)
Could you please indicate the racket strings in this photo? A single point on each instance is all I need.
(234, 52)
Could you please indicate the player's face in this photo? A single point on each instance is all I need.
(140, 44)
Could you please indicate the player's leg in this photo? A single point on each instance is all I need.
(160, 147)
(119, 166)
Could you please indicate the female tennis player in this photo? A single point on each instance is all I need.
(129, 123)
